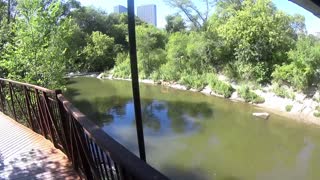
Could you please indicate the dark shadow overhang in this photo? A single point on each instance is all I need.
(310, 5)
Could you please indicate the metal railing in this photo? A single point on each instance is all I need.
(93, 153)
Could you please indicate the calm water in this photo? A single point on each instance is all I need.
(192, 136)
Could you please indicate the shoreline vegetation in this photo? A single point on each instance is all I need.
(299, 106)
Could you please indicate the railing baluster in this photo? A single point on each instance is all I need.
(28, 108)
(12, 103)
(2, 97)
(110, 167)
(87, 163)
(40, 115)
(104, 163)
(99, 161)
(33, 104)
(117, 170)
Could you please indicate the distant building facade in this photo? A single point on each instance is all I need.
(148, 13)
(119, 9)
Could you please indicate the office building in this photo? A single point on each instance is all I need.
(119, 9)
(148, 13)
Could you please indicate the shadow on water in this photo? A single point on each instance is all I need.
(98, 109)
(70, 81)
(158, 116)
(72, 92)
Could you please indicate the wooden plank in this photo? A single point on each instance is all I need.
(25, 154)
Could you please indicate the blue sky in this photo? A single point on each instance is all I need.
(312, 22)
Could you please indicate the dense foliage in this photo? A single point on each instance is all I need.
(246, 40)
(36, 52)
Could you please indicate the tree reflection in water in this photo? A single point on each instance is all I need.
(158, 116)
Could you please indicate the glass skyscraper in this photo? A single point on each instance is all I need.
(119, 9)
(148, 13)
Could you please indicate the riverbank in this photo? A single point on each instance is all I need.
(301, 108)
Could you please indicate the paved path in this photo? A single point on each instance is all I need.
(25, 154)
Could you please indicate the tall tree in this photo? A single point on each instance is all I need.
(196, 15)
(99, 52)
(37, 52)
(175, 23)
(260, 37)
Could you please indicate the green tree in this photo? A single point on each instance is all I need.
(37, 52)
(186, 55)
(150, 45)
(260, 37)
(99, 53)
(175, 23)
(150, 50)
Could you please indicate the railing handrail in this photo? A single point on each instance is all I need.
(119, 153)
(29, 85)
(48, 110)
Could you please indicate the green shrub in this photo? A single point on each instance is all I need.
(258, 99)
(301, 70)
(250, 96)
(282, 92)
(219, 87)
(122, 70)
(169, 72)
(318, 108)
(316, 114)
(193, 80)
(289, 108)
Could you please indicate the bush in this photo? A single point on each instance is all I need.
(299, 76)
(169, 72)
(250, 96)
(282, 92)
(193, 80)
(289, 108)
(99, 53)
(316, 114)
(301, 71)
(122, 70)
(219, 87)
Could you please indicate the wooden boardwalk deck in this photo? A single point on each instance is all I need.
(25, 154)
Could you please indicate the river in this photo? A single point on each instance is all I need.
(191, 136)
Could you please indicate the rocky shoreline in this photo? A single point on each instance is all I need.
(302, 107)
